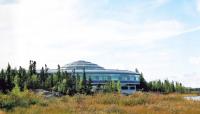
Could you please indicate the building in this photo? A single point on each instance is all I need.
(100, 75)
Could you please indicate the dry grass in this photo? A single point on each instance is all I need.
(139, 103)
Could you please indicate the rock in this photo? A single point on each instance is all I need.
(47, 94)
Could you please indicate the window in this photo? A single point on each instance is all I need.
(132, 78)
(115, 77)
(101, 77)
(137, 77)
(124, 87)
(132, 88)
(96, 78)
(108, 78)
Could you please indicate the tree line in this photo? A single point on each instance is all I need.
(61, 81)
(161, 86)
(72, 83)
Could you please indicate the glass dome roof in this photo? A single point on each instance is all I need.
(80, 65)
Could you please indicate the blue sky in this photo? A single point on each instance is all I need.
(159, 37)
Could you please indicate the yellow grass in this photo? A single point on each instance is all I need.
(139, 103)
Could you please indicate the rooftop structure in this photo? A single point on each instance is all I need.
(80, 65)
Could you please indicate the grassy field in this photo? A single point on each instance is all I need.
(139, 103)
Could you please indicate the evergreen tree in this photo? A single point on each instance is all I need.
(107, 87)
(137, 71)
(73, 79)
(89, 88)
(118, 86)
(16, 89)
(9, 83)
(81, 86)
(35, 82)
(113, 87)
(172, 86)
(30, 71)
(3, 84)
(167, 86)
(143, 84)
(46, 75)
(69, 84)
(52, 81)
(84, 82)
(34, 67)
(42, 77)
(159, 86)
(78, 83)
(59, 73)
(22, 77)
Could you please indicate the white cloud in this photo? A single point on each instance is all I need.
(47, 29)
(160, 30)
(7, 40)
(198, 5)
(7, 2)
(194, 60)
(65, 21)
(158, 3)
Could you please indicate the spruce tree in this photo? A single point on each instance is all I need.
(118, 86)
(9, 84)
(3, 85)
(143, 84)
(46, 75)
(73, 79)
(52, 80)
(30, 71)
(113, 87)
(89, 88)
(78, 87)
(84, 82)
(42, 77)
(59, 73)
(22, 78)
(16, 90)
(34, 67)
(136, 70)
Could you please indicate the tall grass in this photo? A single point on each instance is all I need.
(139, 103)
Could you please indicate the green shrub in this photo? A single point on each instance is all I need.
(7, 103)
(11, 101)
(33, 101)
(22, 103)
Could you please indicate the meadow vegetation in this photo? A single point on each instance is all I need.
(16, 96)
(109, 103)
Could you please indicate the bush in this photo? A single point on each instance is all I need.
(6, 102)
(34, 101)
(11, 101)
(22, 103)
